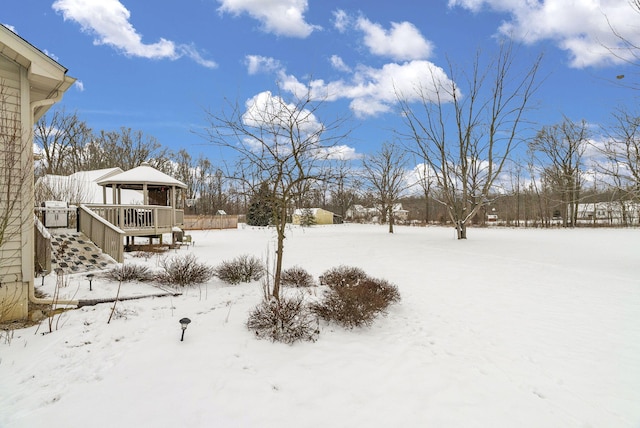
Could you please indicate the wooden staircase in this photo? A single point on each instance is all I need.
(73, 252)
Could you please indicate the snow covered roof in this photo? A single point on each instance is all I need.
(137, 177)
(81, 187)
(97, 174)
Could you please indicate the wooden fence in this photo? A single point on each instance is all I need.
(200, 222)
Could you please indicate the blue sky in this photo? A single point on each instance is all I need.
(156, 66)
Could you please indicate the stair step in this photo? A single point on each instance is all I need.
(73, 252)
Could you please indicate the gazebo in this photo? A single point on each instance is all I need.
(106, 224)
(157, 187)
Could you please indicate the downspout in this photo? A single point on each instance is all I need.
(32, 288)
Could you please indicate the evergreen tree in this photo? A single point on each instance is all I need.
(260, 211)
(307, 218)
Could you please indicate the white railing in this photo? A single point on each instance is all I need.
(151, 218)
(104, 234)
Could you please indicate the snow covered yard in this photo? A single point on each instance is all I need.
(511, 328)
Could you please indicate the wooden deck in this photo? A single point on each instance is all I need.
(108, 225)
(140, 220)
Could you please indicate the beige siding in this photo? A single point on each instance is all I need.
(16, 171)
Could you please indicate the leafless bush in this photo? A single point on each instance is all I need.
(342, 276)
(128, 273)
(184, 271)
(354, 305)
(241, 269)
(287, 320)
(296, 277)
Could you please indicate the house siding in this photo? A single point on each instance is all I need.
(16, 166)
(321, 216)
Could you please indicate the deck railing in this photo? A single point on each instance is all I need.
(42, 241)
(104, 234)
(148, 218)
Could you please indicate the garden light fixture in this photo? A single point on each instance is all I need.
(184, 322)
(90, 278)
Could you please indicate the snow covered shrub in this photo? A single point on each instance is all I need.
(287, 320)
(356, 304)
(184, 270)
(296, 277)
(342, 276)
(127, 273)
(241, 269)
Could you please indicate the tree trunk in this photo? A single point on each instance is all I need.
(390, 215)
(461, 229)
(281, 224)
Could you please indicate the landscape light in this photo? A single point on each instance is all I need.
(43, 274)
(184, 322)
(90, 278)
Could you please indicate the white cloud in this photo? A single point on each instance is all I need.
(79, 85)
(341, 21)
(50, 55)
(402, 42)
(582, 28)
(191, 52)
(261, 64)
(340, 152)
(280, 17)
(265, 108)
(338, 64)
(108, 21)
(373, 91)
(10, 27)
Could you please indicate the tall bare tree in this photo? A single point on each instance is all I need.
(127, 149)
(466, 138)
(627, 50)
(61, 138)
(281, 143)
(622, 152)
(425, 179)
(342, 187)
(559, 151)
(386, 175)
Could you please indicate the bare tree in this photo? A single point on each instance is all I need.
(279, 143)
(559, 150)
(185, 171)
(127, 149)
(71, 189)
(342, 189)
(61, 138)
(626, 50)
(68, 145)
(622, 152)
(385, 173)
(465, 139)
(425, 179)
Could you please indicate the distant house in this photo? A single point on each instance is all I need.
(624, 213)
(82, 187)
(361, 213)
(320, 216)
(30, 83)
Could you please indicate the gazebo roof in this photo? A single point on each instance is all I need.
(137, 177)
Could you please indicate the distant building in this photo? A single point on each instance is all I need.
(320, 216)
(361, 213)
(622, 213)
